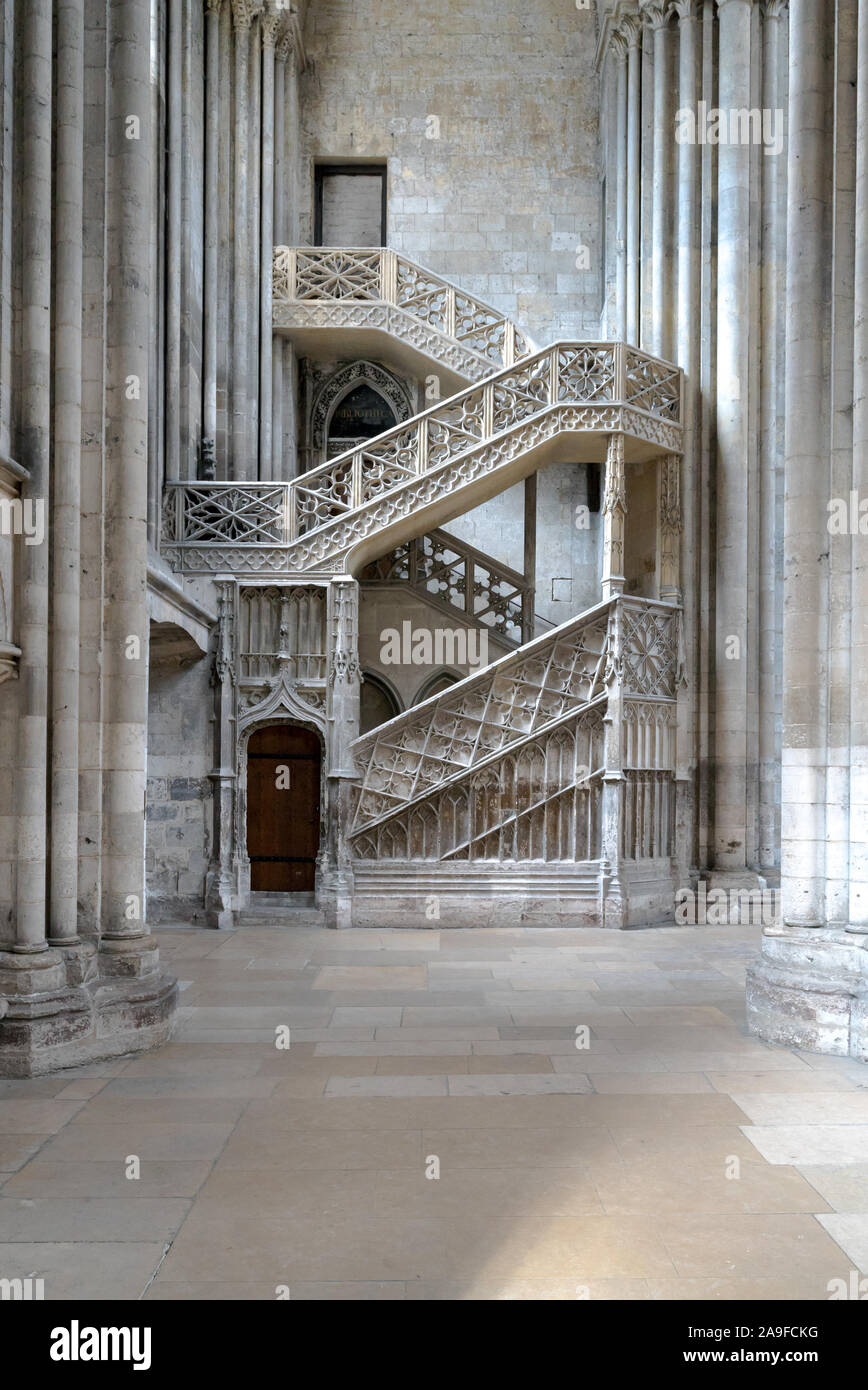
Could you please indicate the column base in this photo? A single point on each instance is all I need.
(79, 1008)
(810, 990)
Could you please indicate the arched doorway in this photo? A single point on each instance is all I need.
(283, 820)
(359, 415)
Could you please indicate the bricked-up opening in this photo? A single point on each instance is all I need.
(283, 821)
(350, 205)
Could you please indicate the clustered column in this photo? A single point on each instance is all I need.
(806, 540)
(35, 417)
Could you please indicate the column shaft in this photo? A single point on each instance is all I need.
(733, 346)
(266, 248)
(858, 911)
(34, 113)
(174, 138)
(66, 557)
(243, 466)
(633, 183)
(125, 622)
(806, 540)
(212, 231)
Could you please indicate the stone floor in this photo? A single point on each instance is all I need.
(674, 1157)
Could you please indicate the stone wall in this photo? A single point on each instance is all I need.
(487, 117)
(179, 791)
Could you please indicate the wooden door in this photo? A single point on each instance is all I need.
(283, 790)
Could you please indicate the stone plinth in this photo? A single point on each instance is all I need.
(65, 1008)
(810, 990)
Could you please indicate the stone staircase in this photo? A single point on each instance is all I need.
(567, 399)
(384, 304)
(539, 788)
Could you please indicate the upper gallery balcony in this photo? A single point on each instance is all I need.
(385, 305)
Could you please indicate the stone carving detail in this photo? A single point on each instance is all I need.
(647, 814)
(652, 385)
(453, 574)
(226, 512)
(538, 801)
(342, 381)
(321, 516)
(345, 669)
(347, 278)
(480, 717)
(282, 630)
(650, 649)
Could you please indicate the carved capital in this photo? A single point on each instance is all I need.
(272, 24)
(244, 12)
(213, 6)
(685, 9)
(618, 43)
(631, 28)
(773, 9)
(654, 13)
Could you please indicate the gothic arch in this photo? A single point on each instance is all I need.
(374, 681)
(436, 683)
(340, 384)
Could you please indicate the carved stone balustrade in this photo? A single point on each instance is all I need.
(567, 399)
(448, 572)
(380, 300)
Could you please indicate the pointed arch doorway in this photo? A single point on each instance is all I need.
(284, 765)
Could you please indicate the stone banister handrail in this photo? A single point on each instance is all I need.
(347, 276)
(319, 519)
(628, 644)
(565, 373)
(451, 573)
(485, 713)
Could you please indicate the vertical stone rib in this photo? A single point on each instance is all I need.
(633, 32)
(174, 137)
(243, 467)
(34, 443)
(270, 22)
(212, 200)
(772, 288)
(733, 347)
(687, 333)
(858, 909)
(66, 559)
(125, 612)
(806, 540)
(656, 14)
(619, 54)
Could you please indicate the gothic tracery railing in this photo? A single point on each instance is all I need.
(308, 281)
(449, 572)
(508, 763)
(314, 521)
(480, 717)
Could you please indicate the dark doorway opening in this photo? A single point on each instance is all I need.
(350, 205)
(362, 414)
(283, 821)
